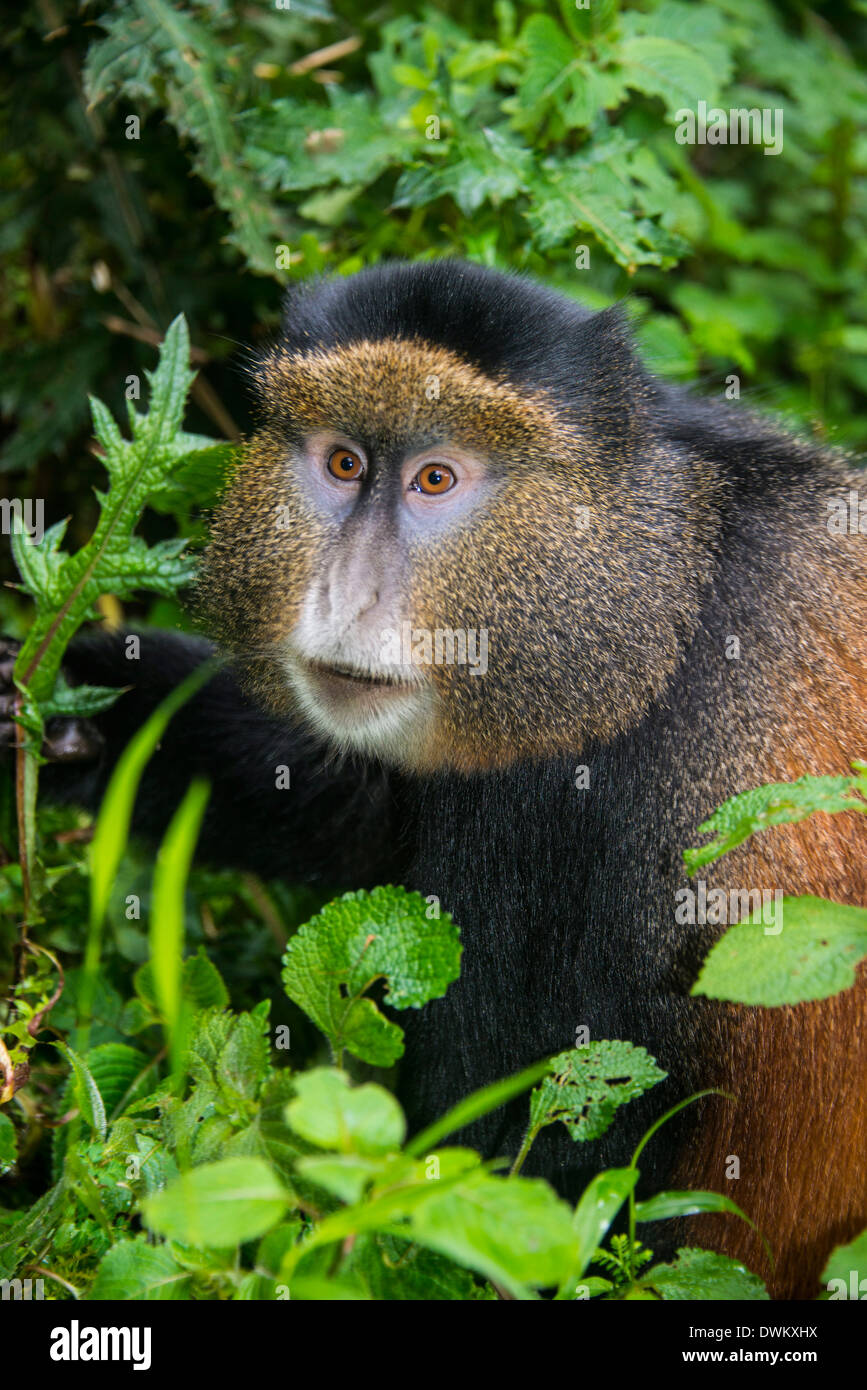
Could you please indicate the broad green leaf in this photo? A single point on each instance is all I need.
(136, 1270)
(332, 1114)
(812, 957)
(514, 1231)
(704, 1275)
(219, 1204)
(355, 941)
(587, 1085)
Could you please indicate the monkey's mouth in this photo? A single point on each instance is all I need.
(352, 676)
(350, 682)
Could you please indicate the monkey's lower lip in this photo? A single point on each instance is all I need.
(343, 680)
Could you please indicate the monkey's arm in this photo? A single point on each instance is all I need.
(330, 825)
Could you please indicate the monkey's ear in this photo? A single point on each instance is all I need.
(611, 380)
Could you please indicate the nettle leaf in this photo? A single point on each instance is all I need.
(135, 1269)
(295, 146)
(813, 956)
(356, 941)
(588, 1084)
(330, 1113)
(778, 803)
(230, 1051)
(395, 1270)
(65, 588)
(666, 68)
(219, 1204)
(702, 1274)
(80, 701)
(161, 56)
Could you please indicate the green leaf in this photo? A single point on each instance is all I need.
(664, 1206)
(704, 1275)
(8, 1145)
(666, 68)
(166, 934)
(396, 1270)
(65, 588)
(136, 1270)
(86, 1091)
(79, 701)
(515, 1231)
(357, 940)
(779, 803)
(163, 56)
(600, 1202)
(219, 1204)
(587, 1085)
(115, 814)
(332, 1114)
(812, 957)
(849, 1263)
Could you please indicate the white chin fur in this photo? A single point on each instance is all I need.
(392, 727)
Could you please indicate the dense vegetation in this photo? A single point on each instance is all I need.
(172, 1124)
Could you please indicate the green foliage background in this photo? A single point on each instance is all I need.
(166, 158)
(555, 130)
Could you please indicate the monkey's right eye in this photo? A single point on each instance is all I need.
(345, 465)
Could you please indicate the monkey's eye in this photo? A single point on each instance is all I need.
(345, 465)
(433, 479)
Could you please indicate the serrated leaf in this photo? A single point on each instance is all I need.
(588, 1084)
(135, 1269)
(355, 941)
(79, 701)
(778, 803)
(702, 1275)
(66, 588)
(666, 68)
(813, 956)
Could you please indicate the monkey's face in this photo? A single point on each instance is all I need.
(430, 567)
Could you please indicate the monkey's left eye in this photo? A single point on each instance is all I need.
(345, 465)
(433, 479)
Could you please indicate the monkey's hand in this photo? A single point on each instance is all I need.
(66, 740)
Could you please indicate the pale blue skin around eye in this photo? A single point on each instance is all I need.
(385, 489)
